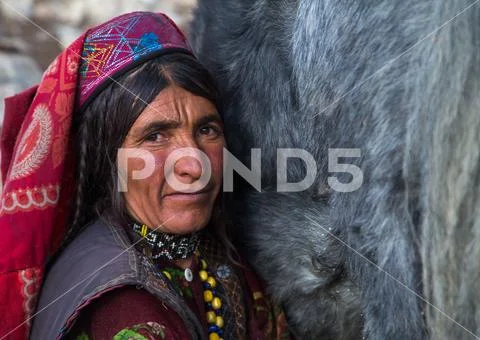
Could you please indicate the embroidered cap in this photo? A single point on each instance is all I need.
(117, 46)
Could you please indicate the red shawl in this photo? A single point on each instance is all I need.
(37, 174)
(36, 165)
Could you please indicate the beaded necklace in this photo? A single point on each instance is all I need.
(213, 303)
(171, 247)
(167, 246)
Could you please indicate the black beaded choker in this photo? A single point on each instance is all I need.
(167, 246)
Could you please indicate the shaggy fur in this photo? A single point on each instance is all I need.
(400, 257)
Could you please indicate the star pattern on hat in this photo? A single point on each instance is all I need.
(100, 51)
(95, 57)
(116, 30)
(117, 45)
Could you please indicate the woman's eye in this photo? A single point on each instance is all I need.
(210, 130)
(155, 137)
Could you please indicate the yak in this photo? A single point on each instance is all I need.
(383, 94)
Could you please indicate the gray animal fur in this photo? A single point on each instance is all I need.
(319, 74)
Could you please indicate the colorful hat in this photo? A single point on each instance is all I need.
(122, 43)
(38, 166)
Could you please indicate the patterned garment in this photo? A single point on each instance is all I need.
(37, 163)
(37, 171)
(167, 246)
(146, 331)
(128, 313)
(245, 308)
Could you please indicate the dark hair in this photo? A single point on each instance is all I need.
(101, 129)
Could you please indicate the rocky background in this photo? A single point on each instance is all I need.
(33, 32)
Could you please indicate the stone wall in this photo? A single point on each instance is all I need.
(33, 32)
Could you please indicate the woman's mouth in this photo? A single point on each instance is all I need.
(189, 197)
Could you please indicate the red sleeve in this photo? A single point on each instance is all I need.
(267, 320)
(126, 310)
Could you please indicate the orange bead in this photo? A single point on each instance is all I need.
(211, 317)
(208, 296)
(203, 275)
(204, 264)
(213, 336)
(212, 282)
(216, 303)
(219, 321)
(167, 274)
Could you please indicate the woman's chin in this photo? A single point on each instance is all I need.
(185, 223)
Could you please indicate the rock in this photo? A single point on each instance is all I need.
(17, 72)
(16, 9)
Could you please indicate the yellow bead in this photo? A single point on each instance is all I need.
(203, 275)
(216, 303)
(219, 321)
(208, 296)
(204, 264)
(167, 274)
(212, 282)
(211, 317)
(213, 336)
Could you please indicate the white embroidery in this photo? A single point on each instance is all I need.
(29, 278)
(28, 160)
(19, 196)
(52, 68)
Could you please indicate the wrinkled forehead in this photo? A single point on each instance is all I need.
(177, 107)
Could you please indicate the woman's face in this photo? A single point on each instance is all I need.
(175, 119)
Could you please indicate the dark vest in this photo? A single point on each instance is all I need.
(100, 259)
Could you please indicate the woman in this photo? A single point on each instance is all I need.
(144, 258)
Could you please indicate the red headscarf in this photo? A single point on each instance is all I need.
(37, 160)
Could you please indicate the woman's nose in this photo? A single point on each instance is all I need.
(188, 169)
